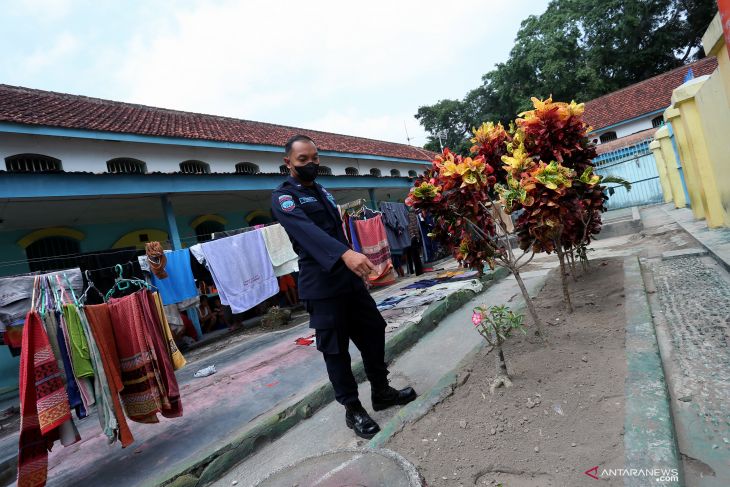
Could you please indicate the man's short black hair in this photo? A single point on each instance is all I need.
(296, 138)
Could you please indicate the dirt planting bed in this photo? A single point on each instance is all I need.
(564, 413)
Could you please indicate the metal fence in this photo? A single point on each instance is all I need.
(635, 164)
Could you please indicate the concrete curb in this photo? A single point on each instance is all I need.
(211, 467)
(649, 437)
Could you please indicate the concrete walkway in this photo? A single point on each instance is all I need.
(422, 366)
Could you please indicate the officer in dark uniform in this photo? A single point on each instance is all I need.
(332, 282)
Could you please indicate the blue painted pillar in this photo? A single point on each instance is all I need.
(373, 201)
(172, 232)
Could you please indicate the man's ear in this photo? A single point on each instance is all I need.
(287, 161)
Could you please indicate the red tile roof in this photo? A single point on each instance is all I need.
(626, 141)
(47, 108)
(643, 97)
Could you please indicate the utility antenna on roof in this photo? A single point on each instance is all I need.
(408, 138)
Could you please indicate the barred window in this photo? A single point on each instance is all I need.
(657, 121)
(32, 163)
(324, 171)
(283, 169)
(607, 137)
(352, 171)
(375, 172)
(395, 173)
(412, 173)
(194, 167)
(205, 230)
(51, 253)
(126, 165)
(247, 168)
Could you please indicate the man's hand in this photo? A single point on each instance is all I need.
(358, 263)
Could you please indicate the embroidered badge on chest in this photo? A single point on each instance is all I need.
(286, 202)
(307, 199)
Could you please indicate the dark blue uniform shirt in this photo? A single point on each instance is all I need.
(311, 219)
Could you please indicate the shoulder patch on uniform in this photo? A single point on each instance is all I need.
(329, 197)
(286, 202)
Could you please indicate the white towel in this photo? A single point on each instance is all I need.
(281, 252)
(241, 269)
(197, 251)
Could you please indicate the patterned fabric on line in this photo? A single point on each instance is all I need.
(43, 403)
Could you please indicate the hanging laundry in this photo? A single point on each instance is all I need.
(178, 361)
(242, 270)
(375, 247)
(179, 283)
(43, 403)
(102, 393)
(355, 239)
(281, 252)
(149, 382)
(395, 218)
(102, 269)
(58, 345)
(156, 259)
(84, 383)
(79, 346)
(15, 297)
(101, 328)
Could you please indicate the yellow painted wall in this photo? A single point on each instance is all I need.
(691, 175)
(685, 98)
(714, 117)
(661, 168)
(672, 167)
(713, 42)
(713, 104)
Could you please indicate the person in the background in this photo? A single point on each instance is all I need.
(210, 315)
(288, 288)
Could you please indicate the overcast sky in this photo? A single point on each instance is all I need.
(359, 68)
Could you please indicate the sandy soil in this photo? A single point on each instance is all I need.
(564, 413)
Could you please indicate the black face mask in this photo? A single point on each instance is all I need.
(308, 172)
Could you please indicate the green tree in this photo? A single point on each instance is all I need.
(577, 49)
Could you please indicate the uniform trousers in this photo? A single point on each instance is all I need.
(352, 316)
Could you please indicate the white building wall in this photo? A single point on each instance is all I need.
(89, 155)
(625, 129)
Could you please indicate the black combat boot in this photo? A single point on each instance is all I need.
(360, 421)
(387, 396)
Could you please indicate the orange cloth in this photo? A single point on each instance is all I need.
(101, 327)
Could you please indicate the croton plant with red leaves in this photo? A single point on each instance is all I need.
(454, 191)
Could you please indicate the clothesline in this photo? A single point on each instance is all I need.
(9, 263)
(56, 257)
